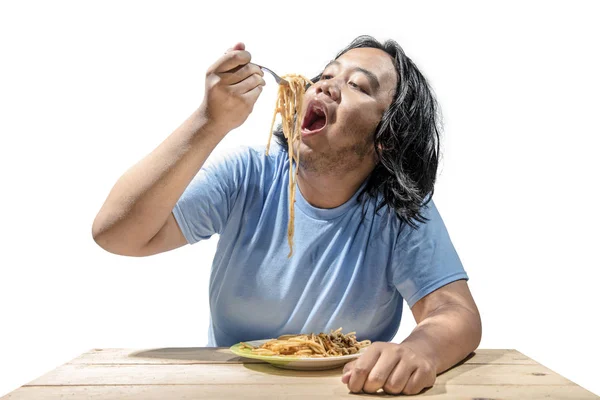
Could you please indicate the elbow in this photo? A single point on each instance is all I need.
(480, 332)
(477, 329)
(471, 327)
(102, 239)
(108, 241)
(101, 233)
(98, 232)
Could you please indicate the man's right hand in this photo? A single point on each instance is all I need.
(137, 219)
(233, 85)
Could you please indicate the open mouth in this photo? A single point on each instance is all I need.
(315, 118)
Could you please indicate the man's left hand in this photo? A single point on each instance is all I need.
(394, 367)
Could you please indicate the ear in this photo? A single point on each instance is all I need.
(382, 148)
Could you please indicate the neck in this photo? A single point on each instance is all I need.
(329, 191)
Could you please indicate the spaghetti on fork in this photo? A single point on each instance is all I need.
(333, 344)
(289, 104)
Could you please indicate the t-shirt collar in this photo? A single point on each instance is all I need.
(327, 213)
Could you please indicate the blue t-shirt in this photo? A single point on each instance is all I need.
(345, 271)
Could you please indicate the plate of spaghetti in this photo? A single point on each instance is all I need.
(305, 351)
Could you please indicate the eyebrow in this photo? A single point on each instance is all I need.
(370, 76)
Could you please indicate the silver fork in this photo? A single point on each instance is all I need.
(278, 79)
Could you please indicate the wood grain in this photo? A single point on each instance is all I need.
(291, 392)
(216, 373)
(244, 374)
(214, 355)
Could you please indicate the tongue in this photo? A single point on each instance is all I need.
(318, 124)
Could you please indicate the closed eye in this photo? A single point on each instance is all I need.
(356, 86)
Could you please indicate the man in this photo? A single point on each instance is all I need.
(367, 234)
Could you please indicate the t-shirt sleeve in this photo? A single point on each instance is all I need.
(204, 207)
(425, 258)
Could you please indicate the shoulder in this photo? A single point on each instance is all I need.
(244, 155)
(257, 153)
(431, 230)
(245, 164)
(275, 153)
(268, 161)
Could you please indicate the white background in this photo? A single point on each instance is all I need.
(87, 89)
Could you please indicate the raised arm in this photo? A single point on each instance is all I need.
(136, 219)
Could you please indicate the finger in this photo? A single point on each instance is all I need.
(238, 74)
(347, 371)
(417, 382)
(380, 372)
(237, 46)
(346, 377)
(349, 366)
(361, 370)
(252, 95)
(230, 60)
(397, 379)
(248, 84)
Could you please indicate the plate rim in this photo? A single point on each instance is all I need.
(235, 350)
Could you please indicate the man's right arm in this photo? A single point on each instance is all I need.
(136, 219)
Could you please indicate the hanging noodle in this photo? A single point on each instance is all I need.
(333, 344)
(290, 100)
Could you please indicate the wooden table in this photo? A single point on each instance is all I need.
(216, 373)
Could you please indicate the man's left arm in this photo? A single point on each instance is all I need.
(448, 330)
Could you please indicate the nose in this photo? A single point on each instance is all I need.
(329, 88)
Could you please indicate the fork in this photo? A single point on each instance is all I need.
(278, 79)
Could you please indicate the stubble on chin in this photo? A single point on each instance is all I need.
(337, 161)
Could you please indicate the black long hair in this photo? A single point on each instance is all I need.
(406, 140)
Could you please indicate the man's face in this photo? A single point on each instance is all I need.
(342, 111)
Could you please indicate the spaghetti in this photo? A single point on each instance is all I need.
(290, 100)
(333, 344)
